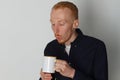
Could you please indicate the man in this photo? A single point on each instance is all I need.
(79, 57)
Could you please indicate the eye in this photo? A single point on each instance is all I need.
(52, 24)
(62, 24)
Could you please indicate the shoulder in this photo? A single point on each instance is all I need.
(93, 41)
(87, 40)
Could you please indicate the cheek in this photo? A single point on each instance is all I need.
(66, 30)
(67, 33)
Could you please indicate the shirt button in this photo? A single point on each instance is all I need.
(69, 63)
(75, 46)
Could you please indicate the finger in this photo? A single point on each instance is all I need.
(58, 67)
(63, 62)
(58, 70)
(61, 66)
(46, 76)
(60, 63)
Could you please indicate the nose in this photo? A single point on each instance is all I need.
(56, 29)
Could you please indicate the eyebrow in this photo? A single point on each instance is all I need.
(59, 20)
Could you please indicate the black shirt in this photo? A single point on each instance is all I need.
(87, 56)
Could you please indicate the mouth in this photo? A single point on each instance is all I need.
(58, 37)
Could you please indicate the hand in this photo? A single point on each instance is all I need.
(64, 68)
(45, 76)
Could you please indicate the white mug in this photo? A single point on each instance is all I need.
(48, 64)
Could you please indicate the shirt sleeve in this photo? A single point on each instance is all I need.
(79, 75)
(101, 63)
(100, 66)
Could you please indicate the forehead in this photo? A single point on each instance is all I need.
(61, 14)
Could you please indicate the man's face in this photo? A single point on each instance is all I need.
(63, 24)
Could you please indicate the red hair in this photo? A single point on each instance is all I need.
(69, 5)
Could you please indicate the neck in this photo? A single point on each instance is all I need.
(72, 38)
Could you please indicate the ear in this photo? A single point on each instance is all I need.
(76, 23)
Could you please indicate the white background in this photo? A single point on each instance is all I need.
(25, 30)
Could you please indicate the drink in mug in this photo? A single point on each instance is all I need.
(48, 64)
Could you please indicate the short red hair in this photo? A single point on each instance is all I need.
(69, 5)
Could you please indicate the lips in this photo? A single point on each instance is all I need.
(58, 37)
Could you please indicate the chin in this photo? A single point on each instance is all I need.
(61, 42)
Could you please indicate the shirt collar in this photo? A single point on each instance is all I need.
(79, 37)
